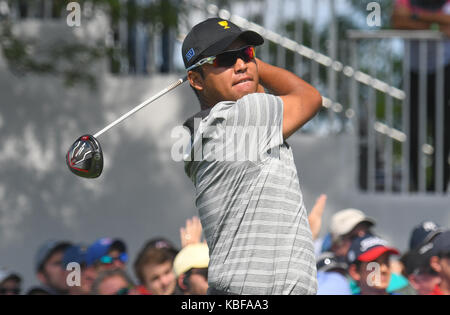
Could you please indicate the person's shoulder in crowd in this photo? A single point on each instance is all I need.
(332, 275)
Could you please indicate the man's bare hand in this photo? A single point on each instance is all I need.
(191, 233)
(315, 217)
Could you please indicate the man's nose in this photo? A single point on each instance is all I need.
(240, 65)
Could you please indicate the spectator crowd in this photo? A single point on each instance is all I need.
(352, 259)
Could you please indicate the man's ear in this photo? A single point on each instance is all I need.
(354, 272)
(181, 283)
(435, 264)
(196, 80)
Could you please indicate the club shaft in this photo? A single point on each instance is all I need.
(142, 105)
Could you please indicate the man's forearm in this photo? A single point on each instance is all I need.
(406, 19)
(405, 22)
(431, 17)
(280, 81)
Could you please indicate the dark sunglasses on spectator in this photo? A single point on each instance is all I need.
(6, 291)
(228, 58)
(107, 260)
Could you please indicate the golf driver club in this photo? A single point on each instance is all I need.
(85, 156)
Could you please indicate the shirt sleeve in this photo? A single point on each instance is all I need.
(257, 120)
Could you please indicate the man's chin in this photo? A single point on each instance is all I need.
(243, 93)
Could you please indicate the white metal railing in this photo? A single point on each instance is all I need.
(424, 154)
(322, 59)
(306, 52)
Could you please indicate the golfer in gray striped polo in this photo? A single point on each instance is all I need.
(247, 188)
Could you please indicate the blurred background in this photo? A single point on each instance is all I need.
(58, 82)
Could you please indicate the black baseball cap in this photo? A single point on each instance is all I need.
(212, 37)
(329, 262)
(441, 244)
(417, 261)
(424, 233)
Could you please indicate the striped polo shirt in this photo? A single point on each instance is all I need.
(249, 200)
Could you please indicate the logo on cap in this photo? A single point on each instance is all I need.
(430, 226)
(426, 248)
(224, 24)
(371, 242)
(190, 54)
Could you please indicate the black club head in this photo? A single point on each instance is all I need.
(85, 157)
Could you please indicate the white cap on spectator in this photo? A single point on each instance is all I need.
(192, 256)
(344, 221)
